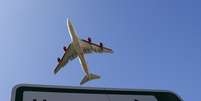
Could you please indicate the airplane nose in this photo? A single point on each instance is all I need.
(69, 22)
(71, 29)
(70, 25)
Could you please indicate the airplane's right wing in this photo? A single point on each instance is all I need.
(88, 47)
(69, 54)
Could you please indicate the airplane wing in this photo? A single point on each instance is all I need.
(89, 47)
(69, 54)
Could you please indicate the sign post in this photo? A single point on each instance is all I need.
(29, 92)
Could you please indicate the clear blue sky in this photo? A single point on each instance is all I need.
(156, 43)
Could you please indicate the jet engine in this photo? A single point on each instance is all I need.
(64, 48)
(101, 44)
(89, 39)
(58, 59)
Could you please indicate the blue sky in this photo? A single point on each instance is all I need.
(156, 43)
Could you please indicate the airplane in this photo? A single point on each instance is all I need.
(78, 48)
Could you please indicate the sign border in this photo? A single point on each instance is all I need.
(18, 90)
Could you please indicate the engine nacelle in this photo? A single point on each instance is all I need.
(89, 39)
(58, 59)
(101, 44)
(65, 49)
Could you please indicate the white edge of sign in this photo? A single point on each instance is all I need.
(14, 89)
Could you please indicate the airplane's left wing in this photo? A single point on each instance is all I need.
(69, 54)
(89, 47)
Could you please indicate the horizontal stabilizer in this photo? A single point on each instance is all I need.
(88, 78)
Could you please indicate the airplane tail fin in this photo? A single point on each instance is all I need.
(88, 78)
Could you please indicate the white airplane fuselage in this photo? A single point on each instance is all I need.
(78, 48)
(76, 44)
